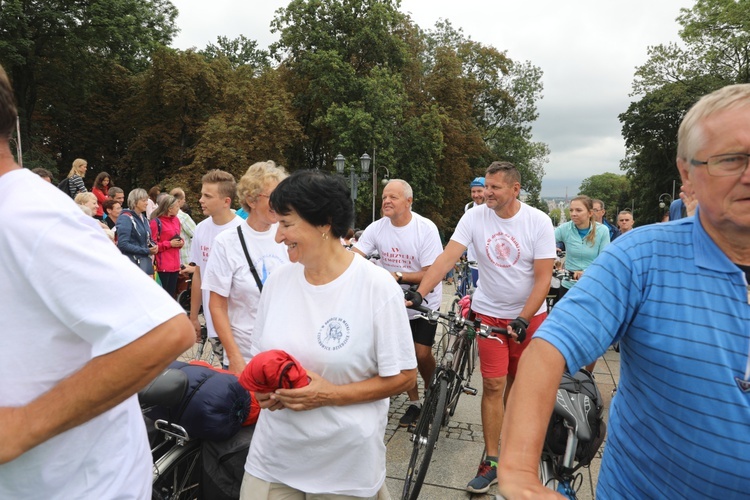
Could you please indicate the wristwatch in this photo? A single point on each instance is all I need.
(399, 276)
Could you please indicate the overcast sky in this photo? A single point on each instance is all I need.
(587, 49)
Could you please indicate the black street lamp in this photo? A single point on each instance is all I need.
(354, 177)
(665, 199)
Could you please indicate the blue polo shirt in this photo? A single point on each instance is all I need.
(679, 425)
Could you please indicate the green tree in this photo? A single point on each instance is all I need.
(240, 51)
(714, 53)
(555, 215)
(612, 189)
(56, 53)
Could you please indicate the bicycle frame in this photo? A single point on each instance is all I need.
(449, 381)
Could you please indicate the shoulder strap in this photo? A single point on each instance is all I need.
(158, 229)
(249, 260)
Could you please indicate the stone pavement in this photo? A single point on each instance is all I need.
(460, 446)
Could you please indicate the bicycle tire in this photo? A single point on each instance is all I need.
(425, 436)
(460, 378)
(177, 474)
(183, 298)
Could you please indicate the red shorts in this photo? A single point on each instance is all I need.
(500, 359)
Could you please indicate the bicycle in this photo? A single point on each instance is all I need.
(197, 352)
(177, 458)
(575, 433)
(558, 276)
(451, 378)
(463, 278)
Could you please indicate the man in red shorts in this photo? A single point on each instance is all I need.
(515, 247)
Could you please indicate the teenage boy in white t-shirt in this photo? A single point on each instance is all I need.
(515, 246)
(70, 424)
(217, 193)
(408, 244)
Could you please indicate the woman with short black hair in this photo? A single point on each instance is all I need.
(344, 320)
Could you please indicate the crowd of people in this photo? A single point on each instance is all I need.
(287, 274)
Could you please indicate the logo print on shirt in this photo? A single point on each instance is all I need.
(334, 334)
(744, 385)
(503, 250)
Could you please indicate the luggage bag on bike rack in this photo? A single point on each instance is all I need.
(579, 385)
(215, 405)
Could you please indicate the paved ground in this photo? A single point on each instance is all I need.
(460, 446)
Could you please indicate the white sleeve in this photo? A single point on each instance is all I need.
(217, 276)
(195, 247)
(545, 247)
(394, 343)
(431, 247)
(366, 241)
(59, 270)
(462, 234)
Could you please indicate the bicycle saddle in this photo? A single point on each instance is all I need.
(166, 390)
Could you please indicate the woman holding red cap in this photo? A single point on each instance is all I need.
(344, 321)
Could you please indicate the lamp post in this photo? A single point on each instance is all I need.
(375, 185)
(364, 164)
(665, 199)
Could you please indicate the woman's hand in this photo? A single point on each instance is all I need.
(176, 243)
(577, 275)
(153, 249)
(689, 199)
(266, 403)
(319, 392)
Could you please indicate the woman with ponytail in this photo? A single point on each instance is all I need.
(584, 239)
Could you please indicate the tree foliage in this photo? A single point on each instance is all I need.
(715, 51)
(96, 80)
(612, 189)
(58, 53)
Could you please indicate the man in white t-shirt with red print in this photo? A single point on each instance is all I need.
(408, 244)
(515, 246)
(218, 190)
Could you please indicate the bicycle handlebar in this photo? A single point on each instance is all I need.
(564, 275)
(457, 321)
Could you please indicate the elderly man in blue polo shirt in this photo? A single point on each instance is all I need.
(675, 296)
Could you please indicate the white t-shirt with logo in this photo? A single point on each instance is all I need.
(228, 274)
(203, 239)
(56, 317)
(348, 330)
(506, 251)
(408, 248)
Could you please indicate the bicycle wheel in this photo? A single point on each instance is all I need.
(425, 436)
(177, 473)
(183, 298)
(460, 362)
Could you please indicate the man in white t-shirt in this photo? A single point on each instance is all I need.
(70, 424)
(234, 289)
(515, 253)
(408, 245)
(217, 193)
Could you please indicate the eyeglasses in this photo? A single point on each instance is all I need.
(724, 165)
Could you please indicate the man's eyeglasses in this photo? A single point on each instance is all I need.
(724, 165)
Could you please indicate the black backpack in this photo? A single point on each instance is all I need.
(64, 186)
(580, 385)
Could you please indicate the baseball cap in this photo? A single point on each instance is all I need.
(478, 182)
